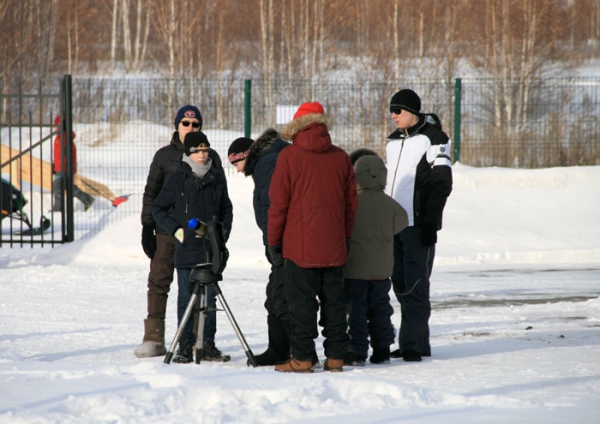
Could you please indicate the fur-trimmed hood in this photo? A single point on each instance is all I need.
(309, 132)
(291, 129)
(269, 141)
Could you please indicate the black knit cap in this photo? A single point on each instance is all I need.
(194, 141)
(239, 149)
(406, 99)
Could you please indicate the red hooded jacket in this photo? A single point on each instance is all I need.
(313, 197)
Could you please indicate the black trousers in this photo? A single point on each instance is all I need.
(369, 314)
(412, 269)
(306, 290)
(276, 303)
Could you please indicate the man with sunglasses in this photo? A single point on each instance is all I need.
(420, 179)
(159, 245)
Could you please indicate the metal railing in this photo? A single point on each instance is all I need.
(120, 123)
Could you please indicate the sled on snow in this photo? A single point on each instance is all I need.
(12, 204)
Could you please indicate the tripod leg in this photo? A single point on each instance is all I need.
(184, 320)
(235, 325)
(199, 347)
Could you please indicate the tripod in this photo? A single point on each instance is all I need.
(205, 275)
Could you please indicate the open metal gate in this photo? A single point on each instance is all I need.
(28, 128)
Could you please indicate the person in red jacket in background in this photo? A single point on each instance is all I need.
(310, 220)
(59, 168)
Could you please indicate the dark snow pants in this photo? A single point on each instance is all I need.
(276, 304)
(412, 269)
(160, 277)
(369, 314)
(58, 192)
(306, 289)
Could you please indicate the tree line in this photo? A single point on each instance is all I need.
(296, 39)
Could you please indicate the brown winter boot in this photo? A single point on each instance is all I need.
(154, 339)
(294, 365)
(334, 365)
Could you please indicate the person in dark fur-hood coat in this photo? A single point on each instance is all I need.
(259, 160)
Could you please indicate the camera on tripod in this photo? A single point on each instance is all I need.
(214, 231)
(204, 275)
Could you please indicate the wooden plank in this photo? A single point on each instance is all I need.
(93, 188)
(31, 169)
(39, 172)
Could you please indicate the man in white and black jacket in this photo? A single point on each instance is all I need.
(420, 179)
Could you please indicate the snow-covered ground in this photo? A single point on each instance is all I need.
(515, 324)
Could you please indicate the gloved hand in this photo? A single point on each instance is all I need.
(276, 254)
(268, 255)
(178, 234)
(149, 240)
(428, 234)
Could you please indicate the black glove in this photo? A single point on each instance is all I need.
(276, 255)
(149, 240)
(428, 234)
(268, 255)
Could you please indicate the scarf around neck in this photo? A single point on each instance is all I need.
(199, 169)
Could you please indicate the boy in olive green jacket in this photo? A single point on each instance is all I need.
(367, 273)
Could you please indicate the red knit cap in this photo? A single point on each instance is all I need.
(307, 108)
(57, 120)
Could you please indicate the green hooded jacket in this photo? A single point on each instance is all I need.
(378, 218)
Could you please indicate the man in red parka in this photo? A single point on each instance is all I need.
(59, 168)
(313, 205)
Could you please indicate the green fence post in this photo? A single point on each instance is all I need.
(457, 102)
(247, 108)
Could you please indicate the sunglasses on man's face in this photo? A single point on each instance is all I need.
(199, 150)
(395, 110)
(187, 124)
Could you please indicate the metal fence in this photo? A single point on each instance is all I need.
(530, 124)
(121, 122)
(29, 216)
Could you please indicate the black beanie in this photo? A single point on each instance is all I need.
(239, 149)
(406, 99)
(193, 141)
(187, 111)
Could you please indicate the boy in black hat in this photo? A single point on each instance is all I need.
(197, 189)
(238, 152)
(420, 179)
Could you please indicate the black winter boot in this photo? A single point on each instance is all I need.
(85, 198)
(353, 360)
(184, 353)
(380, 355)
(211, 353)
(278, 350)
